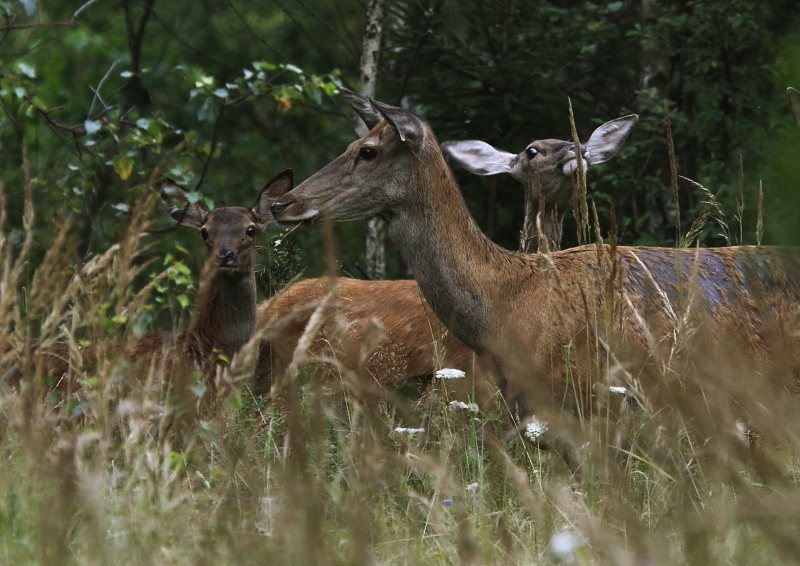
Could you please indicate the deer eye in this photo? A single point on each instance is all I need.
(204, 233)
(367, 153)
(251, 231)
(531, 152)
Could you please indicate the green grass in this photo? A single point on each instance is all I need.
(318, 475)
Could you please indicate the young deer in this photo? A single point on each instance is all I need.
(227, 313)
(554, 329)
(545, 169)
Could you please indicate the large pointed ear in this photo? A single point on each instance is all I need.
(272, 191)
(794, 104)
(363, 107)
(408, 127)
(179, 207)
(479, 157)
(608, 139)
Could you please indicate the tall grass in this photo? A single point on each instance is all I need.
(319, 474)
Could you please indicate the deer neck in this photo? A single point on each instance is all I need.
(227, 313)
(456, 267)
(552, 223)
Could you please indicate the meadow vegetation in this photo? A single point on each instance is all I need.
(340, 472)
(98, 101)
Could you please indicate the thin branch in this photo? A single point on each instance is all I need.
(207, 162)
(349, 48)
(96, 91)
(41, 25)
(82, 8)
(320, 51)
(191, 48)
(254, 34)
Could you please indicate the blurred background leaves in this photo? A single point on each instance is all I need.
(100, 94)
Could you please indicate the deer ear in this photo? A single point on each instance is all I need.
(794, 104)
(608, 139)
(179, 207)
(363, 107)
(281, 184)
(408, 127)
(479, 157)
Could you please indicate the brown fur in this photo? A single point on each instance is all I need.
(549, 327)
(381, 330)
(225, 318)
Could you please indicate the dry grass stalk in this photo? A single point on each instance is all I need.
(673, 172)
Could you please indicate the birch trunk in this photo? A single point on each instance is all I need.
(368, 74)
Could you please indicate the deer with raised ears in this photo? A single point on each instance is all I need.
(546, 170)
(227, 313)
(226, 316)
(551, 327)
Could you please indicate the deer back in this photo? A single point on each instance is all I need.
(381, 330)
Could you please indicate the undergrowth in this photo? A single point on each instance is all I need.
(324, 473)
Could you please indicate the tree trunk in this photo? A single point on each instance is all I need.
(368, 74)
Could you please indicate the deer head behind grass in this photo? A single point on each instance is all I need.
(555, 329)
(225, 317)
(546, 171)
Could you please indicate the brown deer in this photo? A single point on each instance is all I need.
(380, 330)
(227, 299)
(552, 328)
(546, 170)
(407, 346)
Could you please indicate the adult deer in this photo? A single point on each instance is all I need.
(407, 345)
(546, 170)
(549, 326)
(380, 330)
(227, 299)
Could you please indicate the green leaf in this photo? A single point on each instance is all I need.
(123, 165)
(26, 70)
(92, 126)
(53, 397)
(75, 408)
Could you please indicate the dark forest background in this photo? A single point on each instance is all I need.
(94, 95)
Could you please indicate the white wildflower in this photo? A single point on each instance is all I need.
(448, 373)
(563, 545)
(409, 431)
(472, 407)
(472, 486)
(535, 428)
(615, 389)
(277, 243)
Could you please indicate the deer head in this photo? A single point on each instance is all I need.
(370, 177)
(229, 232)
(553, 161)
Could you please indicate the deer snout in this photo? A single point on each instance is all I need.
(227, 258)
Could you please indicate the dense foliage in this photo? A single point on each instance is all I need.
(98, 94)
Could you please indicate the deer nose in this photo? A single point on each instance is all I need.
(278, 207)
(226, 257)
